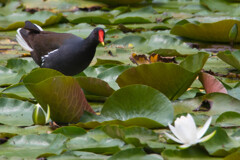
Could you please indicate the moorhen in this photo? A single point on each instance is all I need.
(64, 52)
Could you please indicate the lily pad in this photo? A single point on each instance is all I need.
(33, 146)
(139, 16)
(228, 119)
(96, 17)
(137, 105)
(221, 144)
(18, 91)
(78, 155)
(62, 93)
(171, 79)
(15, 112)
(95, 86)
(70, 131)
(193, 153)
(8, 76)
(61, 5)
(138, 136)
(218, 103)
(208, 32)
(104, 146)
(16, 20)
(232, 58)
(116, 2)
(133, 154)
(110, 75)
(10, 131)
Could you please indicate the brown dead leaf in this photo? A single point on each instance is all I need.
(153, 58)
(139, 59)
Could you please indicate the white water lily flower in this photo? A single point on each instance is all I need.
(186, 133)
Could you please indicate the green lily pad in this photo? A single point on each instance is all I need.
(10, 7)
(231, 58)
(8, 76)
(62, 93)
(78, 155)
(219, 5)
(166, 45)
(234, 155)
(70, 131)
(110, 75)
(139, 16)
(61, 5)
(95, 86)
(132, 39)
(33, 146)
(133, 154)
(17, 64)
(16, 20)
(208, 32)
(15, 112)
(140, 97)
(116, 2)
(171, 79)
(94, 71)
(193, 153)
(137, 105)
(10, 131)
(138, 136)
(107, 61)
(104, 146)
(228, 119)
(18, 91)
(96, 17)
(221, 144)
(218, 103)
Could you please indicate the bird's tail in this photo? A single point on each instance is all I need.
(21, 40)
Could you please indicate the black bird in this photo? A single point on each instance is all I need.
(64, 52)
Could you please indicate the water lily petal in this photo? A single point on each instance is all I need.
(201, 131)
(178, 133)
(184, 146)
(204, 139)
(173, 138)
(186, 129)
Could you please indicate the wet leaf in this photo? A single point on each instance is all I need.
(95, 86)
(134, 153)
(218, 101)
(16, 20)
(223, 147)
(130, 106)
(232, 58)
(138, 136)
(104, 146)
(33, 146)
(228, 119)
(193, 153)
(208, 32)
(15, 112)
(70, 131)
(171, 84)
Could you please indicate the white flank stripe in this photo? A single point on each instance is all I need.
(47, 55)
(22, 42)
